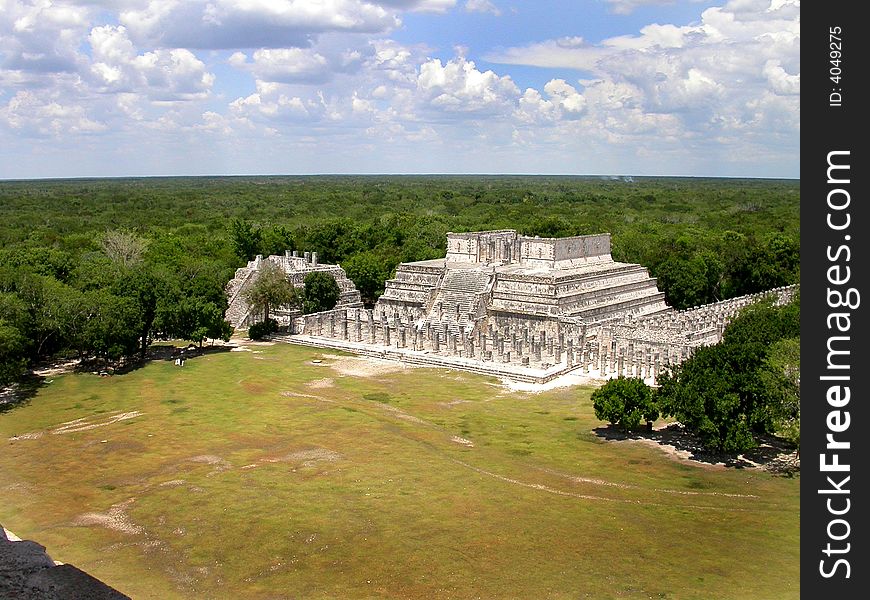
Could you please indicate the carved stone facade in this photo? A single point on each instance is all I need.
(526, 308)
(240, 314)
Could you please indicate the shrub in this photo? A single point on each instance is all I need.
(260, 330)
(625, 402)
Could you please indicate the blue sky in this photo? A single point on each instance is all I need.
(170, 87)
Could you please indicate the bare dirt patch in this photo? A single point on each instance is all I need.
(58, 368)
(289, 394)
(454, 402)
(217, 463)
(309, 457)
(80, 424)
(355, 366)
(253, 388)
(115, 518)
(326, 382)
(568, 380)
(172, 483)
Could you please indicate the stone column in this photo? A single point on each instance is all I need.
(436, 342)
(620, 362)
(569, 353)
(403, 337)
(332, 324)
(344, 328)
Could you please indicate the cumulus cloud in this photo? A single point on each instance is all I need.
(458, 86)
(33, 114)
(287, 65)
(41, 37)
(216, 24)
(329, 81)
(482, 6)
(163, 74)
(711, 77)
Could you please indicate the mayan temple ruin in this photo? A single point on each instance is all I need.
(503, 304)
(240, 314)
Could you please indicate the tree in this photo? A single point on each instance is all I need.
(113, 325)
(321, 292)
(270, 289)
(712, 395)
(625, 402)
(246, 239)
(124, 248)
(781, 376)
(196, 320)
(144, 288)
(12, 358)
(720, 392)
(368, 273)
(689, 282)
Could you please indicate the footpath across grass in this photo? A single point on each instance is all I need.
(282, 472)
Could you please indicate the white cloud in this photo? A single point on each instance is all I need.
(33, 114)
(218, 24)
(626, 7)
(287, 65)
(432, 6)
(331, 88)
(482, 6)
(163, 74)
(697, 82)
(41, 37)
(458, 86)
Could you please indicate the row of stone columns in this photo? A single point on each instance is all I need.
(606, 355)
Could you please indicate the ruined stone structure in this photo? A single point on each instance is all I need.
(239, 313)
(28, 573)
(526, 308)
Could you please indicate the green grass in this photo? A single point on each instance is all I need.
(248, 482)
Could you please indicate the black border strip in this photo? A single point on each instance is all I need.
(834, 225)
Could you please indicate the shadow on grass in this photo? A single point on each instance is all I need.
(20, 394)
(772, 453)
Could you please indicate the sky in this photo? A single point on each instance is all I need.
(101, 88)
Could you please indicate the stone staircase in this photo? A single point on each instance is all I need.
(237, 307)
(457, 300)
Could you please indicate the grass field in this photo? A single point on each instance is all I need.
(262, 474)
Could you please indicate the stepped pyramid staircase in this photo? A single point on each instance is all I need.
(460, 299)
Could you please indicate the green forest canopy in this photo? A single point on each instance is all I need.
(158, 251)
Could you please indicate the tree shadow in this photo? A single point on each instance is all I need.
(21, 393)
(772, 453)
